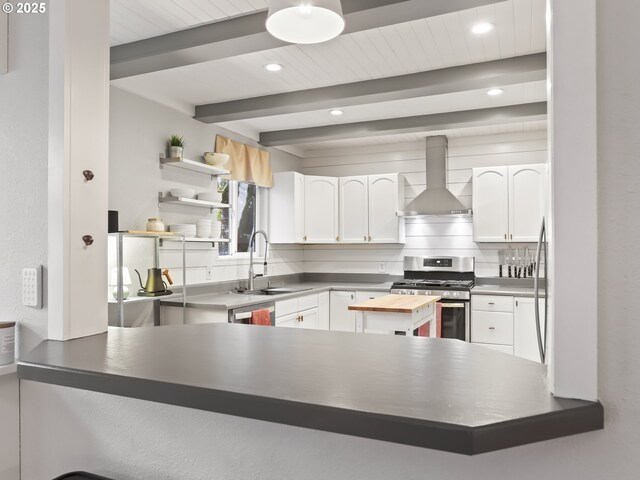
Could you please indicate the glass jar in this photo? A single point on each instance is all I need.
(155, 225)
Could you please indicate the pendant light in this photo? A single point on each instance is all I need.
(305, 21)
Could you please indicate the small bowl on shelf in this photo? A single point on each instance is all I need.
(215, 197)
(183, 192)
(216, 159)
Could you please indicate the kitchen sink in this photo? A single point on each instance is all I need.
(272, 291)
(282, 290)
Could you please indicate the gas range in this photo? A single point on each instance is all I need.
(450, 278)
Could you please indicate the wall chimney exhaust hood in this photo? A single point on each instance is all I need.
(436, 199)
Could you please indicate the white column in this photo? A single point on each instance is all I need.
(78, 141)
(574, 219)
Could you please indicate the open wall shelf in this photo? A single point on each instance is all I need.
(193, 166)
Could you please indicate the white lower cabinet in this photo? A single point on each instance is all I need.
(525, 335)
(506, 324)
(289, 321)
(309, 319)
(307, 311)
(342, 320)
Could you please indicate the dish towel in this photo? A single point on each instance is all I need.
(261, 317)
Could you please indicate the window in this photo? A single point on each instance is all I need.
(240, 219)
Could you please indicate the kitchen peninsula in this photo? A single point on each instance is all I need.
(358, 385)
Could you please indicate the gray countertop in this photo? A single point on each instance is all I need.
(228, 301)
(434, 393)
(504, 290)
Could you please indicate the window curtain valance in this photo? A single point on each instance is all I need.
(247, 164)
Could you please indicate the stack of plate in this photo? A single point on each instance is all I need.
(186, 229)
(203, 228)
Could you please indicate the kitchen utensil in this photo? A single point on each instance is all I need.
(501, 261)
(509, 260)
(216, 159)
(113, 221)
(154, 286)
(183, 192)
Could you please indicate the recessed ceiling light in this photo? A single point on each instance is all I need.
(494, 92)
(336, 112)
(273, 67)
(483, 27)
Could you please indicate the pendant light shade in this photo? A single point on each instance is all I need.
(305, 21)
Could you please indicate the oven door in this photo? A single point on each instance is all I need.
(455, 319)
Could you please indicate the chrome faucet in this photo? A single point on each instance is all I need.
(252, 242)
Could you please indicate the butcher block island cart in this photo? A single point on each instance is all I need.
(396, 313)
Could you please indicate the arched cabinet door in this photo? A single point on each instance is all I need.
(320, 209)
(527, 186)
(490, 204)
(386, 197)
(354, 209)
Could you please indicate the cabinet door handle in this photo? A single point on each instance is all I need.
(351, 296)
(302, 318)
(337, 238)
(365, 238)
(88, 175)
(491, 303)
(505, 236)
(87, 239)
(304, 238)
(511, 236)
(369, 237)
(516, 303)
(492, 328)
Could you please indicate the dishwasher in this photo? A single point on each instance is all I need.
(243, 314)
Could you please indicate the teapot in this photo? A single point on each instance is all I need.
(155, 285)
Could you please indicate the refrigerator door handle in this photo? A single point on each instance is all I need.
(536, 294)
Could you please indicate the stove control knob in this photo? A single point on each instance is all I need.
(456, 294)
(413, 292)
(446, 294)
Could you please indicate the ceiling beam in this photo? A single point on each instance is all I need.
(247, 34)
(510, 71)
(420, 123)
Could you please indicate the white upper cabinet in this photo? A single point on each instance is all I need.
(527, 186)
(320, 209)
(508, 203)
(354, 209)
(286, 208)
(490, 204)
(386, 197)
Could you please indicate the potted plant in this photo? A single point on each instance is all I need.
(176, 146)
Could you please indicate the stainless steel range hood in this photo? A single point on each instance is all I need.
(436, 199)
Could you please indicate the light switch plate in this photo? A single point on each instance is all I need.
(32, 287)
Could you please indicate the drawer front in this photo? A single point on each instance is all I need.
(307, 302)
(492, 327)
(364, 295)
(498, 348)
(286, 307)
(492, 303)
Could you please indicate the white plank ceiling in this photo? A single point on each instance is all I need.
(133, 20)
(419, 45)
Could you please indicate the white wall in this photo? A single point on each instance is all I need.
(138, 132)
(23, 203)
(438, 236)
